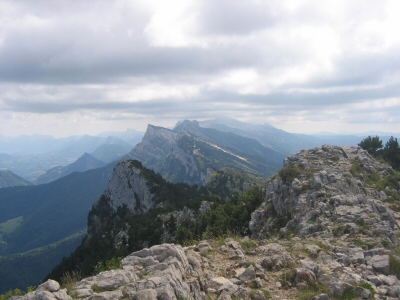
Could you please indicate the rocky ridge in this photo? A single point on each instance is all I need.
(190, 153)
(327, 192)
(161, 151)
(234, 268)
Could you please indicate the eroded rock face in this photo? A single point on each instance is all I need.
(161, 151)
(316, 194)
(128, 187)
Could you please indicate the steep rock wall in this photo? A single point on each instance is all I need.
(128, 187)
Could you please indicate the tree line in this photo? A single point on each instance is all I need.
(390, 152)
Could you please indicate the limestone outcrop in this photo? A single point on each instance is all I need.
(127, 186)
(265, 269)
(326, 192)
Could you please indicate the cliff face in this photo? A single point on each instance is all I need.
(327, 192)
(189, 152)
(128, 187)
(168, 152)
(154, 148)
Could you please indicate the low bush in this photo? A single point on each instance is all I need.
(290, 173)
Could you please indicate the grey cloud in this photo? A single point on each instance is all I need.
(309, 100)
(53, 53)
(235, 17)
(31, 59)
(206, 101)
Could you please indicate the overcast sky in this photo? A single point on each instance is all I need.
(74, 67)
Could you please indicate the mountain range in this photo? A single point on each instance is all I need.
(31, 157)
(42, 221)
(83, 163)
(219, 158)
(188, 153)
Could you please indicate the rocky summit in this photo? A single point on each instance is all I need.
(327, 192)
(326, 230)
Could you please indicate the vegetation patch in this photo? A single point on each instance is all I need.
(246, 245)
(97, 289)
(287, 278)
(323, 246)
(69, 280)
(10, 225)
(16, 293)
(395, 265)
(253, 292)
(349, 294)
(112, 264)
(368, 286)
(250, 263)
(356, 168)
(312, 291)
(11, 293)
(290, 173)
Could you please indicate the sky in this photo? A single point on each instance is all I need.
(76, 67)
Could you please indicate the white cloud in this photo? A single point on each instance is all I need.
(300, 65)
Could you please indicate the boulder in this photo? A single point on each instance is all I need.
(49, 285)
(381, 264)
(248, 274)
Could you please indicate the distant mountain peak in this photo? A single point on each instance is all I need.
(186, 153)
(83, 163)
(10, 179)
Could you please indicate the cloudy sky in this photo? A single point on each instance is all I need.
(74, 67)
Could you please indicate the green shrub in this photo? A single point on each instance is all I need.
(356, 168)
(250, 263)
(287, 277)
(69, 279)
(311, 291)
(324, 247)
(359, 242)
(368, 286)
(247, 245)
(372, 178)
(112, 264)
(290, 173)
(395, 265)
(97, 289)
(11, 293)
(349, 294)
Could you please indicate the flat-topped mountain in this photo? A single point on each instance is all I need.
(189, 152)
